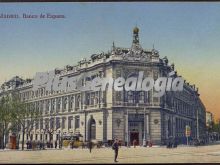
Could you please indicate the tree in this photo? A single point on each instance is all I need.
(5, 118)
(51, 126)
(24, 115)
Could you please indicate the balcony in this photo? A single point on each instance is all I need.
(129, 104)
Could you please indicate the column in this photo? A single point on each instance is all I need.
(148, 126)
(66, 123)
(127, 127)
(83, 98)
(144, 138)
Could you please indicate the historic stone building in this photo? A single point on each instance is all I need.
(127, 115)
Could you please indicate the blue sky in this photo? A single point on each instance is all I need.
(186, 32)
(91, 27)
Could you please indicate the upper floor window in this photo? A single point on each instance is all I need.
(52, 123)
(47, 106)
(78, 100)
(70, 122)
(71, 102)
(47, 124)
(65, 104)
(37, 124)
(57, 123)
(141, 97)
(77, 120)
(41, 123)
(53, 105)
(63, 122)
(58, 104)
(41, 91)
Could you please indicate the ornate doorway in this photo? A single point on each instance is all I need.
(134, 136)
(91, 129)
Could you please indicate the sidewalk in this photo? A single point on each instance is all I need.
(104, 147)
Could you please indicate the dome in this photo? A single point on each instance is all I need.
(136, 30)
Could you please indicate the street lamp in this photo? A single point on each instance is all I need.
(60, 139)
(144, 139)
(127, 130)
(44, 130)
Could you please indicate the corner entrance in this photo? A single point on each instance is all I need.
(136, 128)
(134, 136)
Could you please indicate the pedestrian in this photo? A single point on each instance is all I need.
(30, 144)
(56, 144)
(134, 143)
(72, 144)
(27, 143)
(90, 146)
(59, 144)
(115, 148)
(41, 145)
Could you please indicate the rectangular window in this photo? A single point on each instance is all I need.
(70, 122)
(57, 123)
(47, 124)
(63, 122)
(77, 122)
(52, 123)
(37, 124)
(41, 123)
(53, 105)
(58, 104)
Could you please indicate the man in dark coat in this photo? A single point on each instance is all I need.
(90, 146)
(115, 148)
(56, 144)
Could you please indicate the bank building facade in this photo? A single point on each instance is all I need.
(105, 115)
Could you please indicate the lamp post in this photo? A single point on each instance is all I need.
(144, 139)
(127, 130)
(44, 137)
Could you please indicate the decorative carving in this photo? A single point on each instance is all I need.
(156, 121)
(118, 122)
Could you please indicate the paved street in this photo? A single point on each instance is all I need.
(181, 154)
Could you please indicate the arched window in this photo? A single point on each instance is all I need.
(91, 129)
